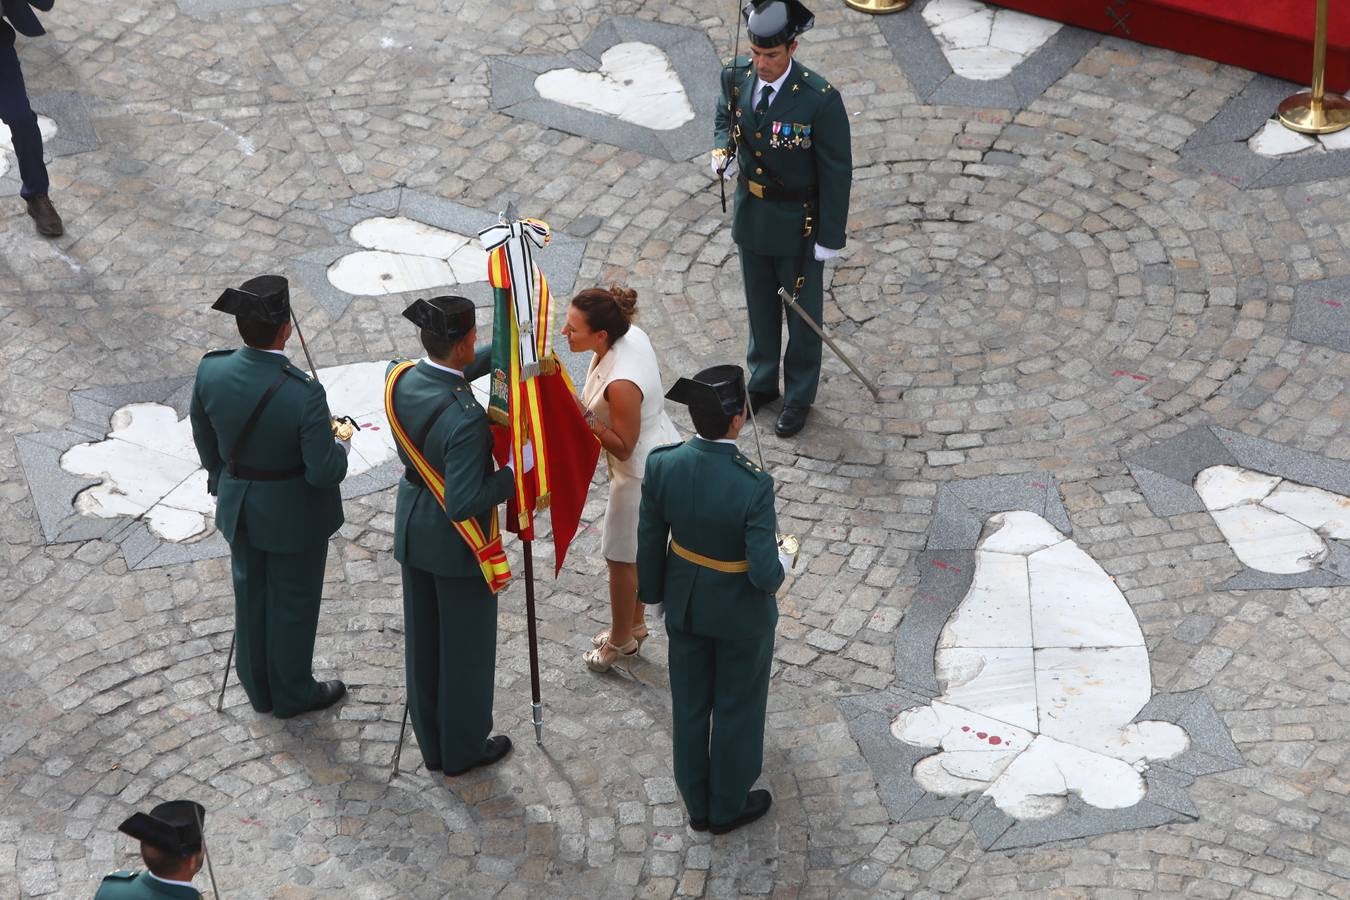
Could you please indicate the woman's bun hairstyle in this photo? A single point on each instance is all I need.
(610, 310)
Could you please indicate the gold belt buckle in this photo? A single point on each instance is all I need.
(755, 188)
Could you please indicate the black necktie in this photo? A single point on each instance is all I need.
(763, 106)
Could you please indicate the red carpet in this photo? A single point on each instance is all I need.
(1273, 37)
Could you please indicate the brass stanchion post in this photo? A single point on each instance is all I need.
(1314, 112)
(878, 7)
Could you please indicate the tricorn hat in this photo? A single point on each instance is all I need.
(720, 388)
(446, 317)
(174, 827)
(266, 298)
(772, 23)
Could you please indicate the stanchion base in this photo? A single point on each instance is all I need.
(878, 7)
(1297, 113)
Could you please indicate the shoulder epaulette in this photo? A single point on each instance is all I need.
(816, 81)
(467, 401)
(750, 467)
(297, 372)
(210, 353)
(661, 448)
(122, 875)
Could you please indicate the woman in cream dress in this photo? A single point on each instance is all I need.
(625, 405)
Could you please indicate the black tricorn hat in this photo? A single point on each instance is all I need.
(174, 827)
(266, 298)
(445, 317)
(720, 388)
(772, 23)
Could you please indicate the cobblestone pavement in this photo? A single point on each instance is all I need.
(1053, 288)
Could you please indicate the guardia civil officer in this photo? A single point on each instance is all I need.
(173, 848)
(786, 126)
(16, 112)
(264, 435)
(445, 520)
(717, 578)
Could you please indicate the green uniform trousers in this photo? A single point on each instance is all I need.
(450, 628)
(765, 311)
(719, 692)
(276, 613)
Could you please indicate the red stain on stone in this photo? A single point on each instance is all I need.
(1135, 375)
(965, 727)
(981, 735)
(995, 739)
(942, 565)
(1329, 302)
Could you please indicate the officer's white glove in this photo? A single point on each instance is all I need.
(345, 445)
(733, 167)
(824, 253)
(785, 560)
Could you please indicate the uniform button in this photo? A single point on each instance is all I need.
(759, 152)
(758, 135)
(759, 171)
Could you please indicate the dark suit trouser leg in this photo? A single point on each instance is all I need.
(249, 567)
(295, 590)
(692, 669)
(801, 362)
(764, 313)
(740, 700)
(16, 112)
(450, 627)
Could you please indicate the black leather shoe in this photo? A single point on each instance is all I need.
(330, 692)
(759, 399)
(698, 824)
(496, 747)
(791, 420)
(44, 215)
(757, 803)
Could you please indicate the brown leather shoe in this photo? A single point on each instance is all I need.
(45, 215)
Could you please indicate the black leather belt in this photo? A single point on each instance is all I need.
(250, 474)
(769, 192)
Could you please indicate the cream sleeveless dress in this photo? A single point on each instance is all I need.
(630, 358)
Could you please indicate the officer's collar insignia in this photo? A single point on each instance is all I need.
(795, 87)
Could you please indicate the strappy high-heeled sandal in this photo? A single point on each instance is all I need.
(603, 657)
(601, 638)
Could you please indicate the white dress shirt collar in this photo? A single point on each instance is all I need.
(776, 85)
(436, 365)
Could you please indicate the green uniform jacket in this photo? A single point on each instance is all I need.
(293, 431)
(140, 886)
(713, 501)
(816, 154)
(460, 446)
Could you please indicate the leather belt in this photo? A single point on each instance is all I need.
(247, 473)
(707, 562)
(769, 192)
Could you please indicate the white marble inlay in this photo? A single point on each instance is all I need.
(1327, 513)
(1224, 486)
(983, 43)
(1273, 525)
(1032, 714)
(147, 466)
(405, 255)
(1273, 140)
(635, 83)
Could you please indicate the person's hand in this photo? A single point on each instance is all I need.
(786, 560)
(715, 164)
(824, 253)
(345, 445)
(527, 456)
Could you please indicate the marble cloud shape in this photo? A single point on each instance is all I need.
(148, 469)
(1042, 668)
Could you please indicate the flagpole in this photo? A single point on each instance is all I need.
(536, 708)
